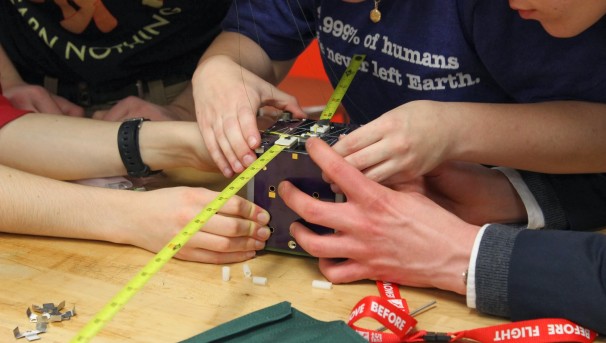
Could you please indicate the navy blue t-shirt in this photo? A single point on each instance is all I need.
(465, 50)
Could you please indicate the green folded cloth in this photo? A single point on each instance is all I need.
(279, 323)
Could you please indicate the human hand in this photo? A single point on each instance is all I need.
(474, 193)
(409, 140)
(227, 97)
(234, 234)
(176, 144)
(383, 234)
(135, 107)
(38, 99)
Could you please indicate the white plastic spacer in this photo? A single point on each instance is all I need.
(315, 128)
(246, 270)
(321, 284)
(287, 141)
(226, 273)
(259, 280)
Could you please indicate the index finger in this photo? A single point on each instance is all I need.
(357, 140)
(349, 179)
(238, 206)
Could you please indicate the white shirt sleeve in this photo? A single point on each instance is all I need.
(536, 219)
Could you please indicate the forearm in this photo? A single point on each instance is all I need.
(474, 193)
(537, 137)
(69, 148)
(248, 54)
(8, 73)
(36, 205)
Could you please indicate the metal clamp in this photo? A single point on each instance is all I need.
(436, 337)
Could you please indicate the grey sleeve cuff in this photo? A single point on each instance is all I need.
(546, 197)
(492, 269)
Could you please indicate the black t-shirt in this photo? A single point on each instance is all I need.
(109, 43)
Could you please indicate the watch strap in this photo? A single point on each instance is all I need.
(128, 146)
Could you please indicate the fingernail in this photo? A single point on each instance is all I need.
(250, 254)
(263, 217)
(238, 167)
(252, 141)
(263, 233)
(259, 245)
(227, 172)
(248, 160)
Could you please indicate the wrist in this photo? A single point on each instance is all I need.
(442, 120)
(511, 209)
(458, 135)
(123, 224)
(129, 148)
(174, 144)
(451, 257)
(455, 276)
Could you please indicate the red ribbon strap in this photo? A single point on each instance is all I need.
(391, 310)
(532, 331)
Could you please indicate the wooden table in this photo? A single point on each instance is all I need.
(183, 298)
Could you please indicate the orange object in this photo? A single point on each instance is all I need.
(307, 81)
(309, 64)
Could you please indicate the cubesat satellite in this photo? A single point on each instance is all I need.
(295, 165)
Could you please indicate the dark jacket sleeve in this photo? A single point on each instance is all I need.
(528, 274)
(559, 274)
(570, 202)
(492, 269)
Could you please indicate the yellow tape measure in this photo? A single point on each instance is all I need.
(341, 88)
(168, 251)
(164, 255)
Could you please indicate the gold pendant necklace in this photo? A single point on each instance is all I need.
(375, 14)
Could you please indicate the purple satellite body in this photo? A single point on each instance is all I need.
(295, 165)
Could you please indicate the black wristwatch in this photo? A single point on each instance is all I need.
(128, 146)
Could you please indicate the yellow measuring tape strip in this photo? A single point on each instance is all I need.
(163, 256)
(341, 88)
